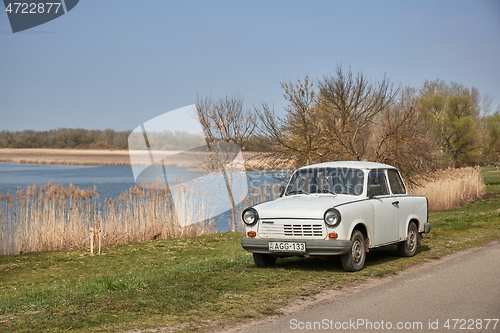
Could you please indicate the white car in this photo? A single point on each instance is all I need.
(337, 208)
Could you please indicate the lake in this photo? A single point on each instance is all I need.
(110, 180)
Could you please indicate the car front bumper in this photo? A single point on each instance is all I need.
(314, 247)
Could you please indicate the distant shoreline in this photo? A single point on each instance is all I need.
(93, 157)
(64, 156)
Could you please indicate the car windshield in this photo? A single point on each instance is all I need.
(326, 180)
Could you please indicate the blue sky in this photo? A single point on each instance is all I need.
(117, 64)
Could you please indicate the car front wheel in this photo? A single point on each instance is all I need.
(408, 248)
(354, 260)
(263, 260)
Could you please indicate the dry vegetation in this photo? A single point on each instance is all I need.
(451, 188)
(55, 217)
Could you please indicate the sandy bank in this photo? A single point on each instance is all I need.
(65, 156)
(101, 157)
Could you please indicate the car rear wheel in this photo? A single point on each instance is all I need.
(408, 248)
(263, 260)
(354, 260)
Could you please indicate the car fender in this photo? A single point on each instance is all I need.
(357, 213)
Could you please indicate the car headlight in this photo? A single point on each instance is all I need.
(332, 217)
(250, 216)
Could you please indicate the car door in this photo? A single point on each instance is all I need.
(399, 192)
(385, 209)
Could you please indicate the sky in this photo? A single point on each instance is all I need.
(118, 64)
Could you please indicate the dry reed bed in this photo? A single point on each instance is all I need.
(451, 188)
(55, 217)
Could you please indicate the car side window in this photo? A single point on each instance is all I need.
(377, 182)
(397, 185)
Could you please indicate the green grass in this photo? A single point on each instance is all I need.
(195, 283)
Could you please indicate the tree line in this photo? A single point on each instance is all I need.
(347, 116)
(75, 138)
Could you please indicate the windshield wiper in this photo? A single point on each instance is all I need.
(296, 192)
(325, 190)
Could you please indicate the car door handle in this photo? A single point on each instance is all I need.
(395, 203)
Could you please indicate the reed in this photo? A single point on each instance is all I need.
(55, 217)
(451, 188)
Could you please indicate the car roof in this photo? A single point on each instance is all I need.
(350, 164)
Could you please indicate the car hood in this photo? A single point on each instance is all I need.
(312, 206)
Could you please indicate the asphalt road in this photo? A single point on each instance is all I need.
(455, 294)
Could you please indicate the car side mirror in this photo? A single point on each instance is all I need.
(374, 190)
(282, 190)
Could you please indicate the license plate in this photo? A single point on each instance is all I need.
(287, 247)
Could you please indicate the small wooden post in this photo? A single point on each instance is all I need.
(99, 251)
(93, 232)
(91, 241)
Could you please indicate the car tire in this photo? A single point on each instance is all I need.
(263, 260)
(408, 248)
(354, 260)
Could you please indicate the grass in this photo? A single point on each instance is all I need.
(194, 284)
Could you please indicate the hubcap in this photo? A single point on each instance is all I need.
(412, 240)
(357, 251)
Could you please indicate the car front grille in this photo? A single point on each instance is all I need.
(303, 230)
(291, 230)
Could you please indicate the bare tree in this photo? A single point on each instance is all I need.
(226, 119)
(295, 136)
(350, 106)
(335, 122)
(402, 137)
(226, 124)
